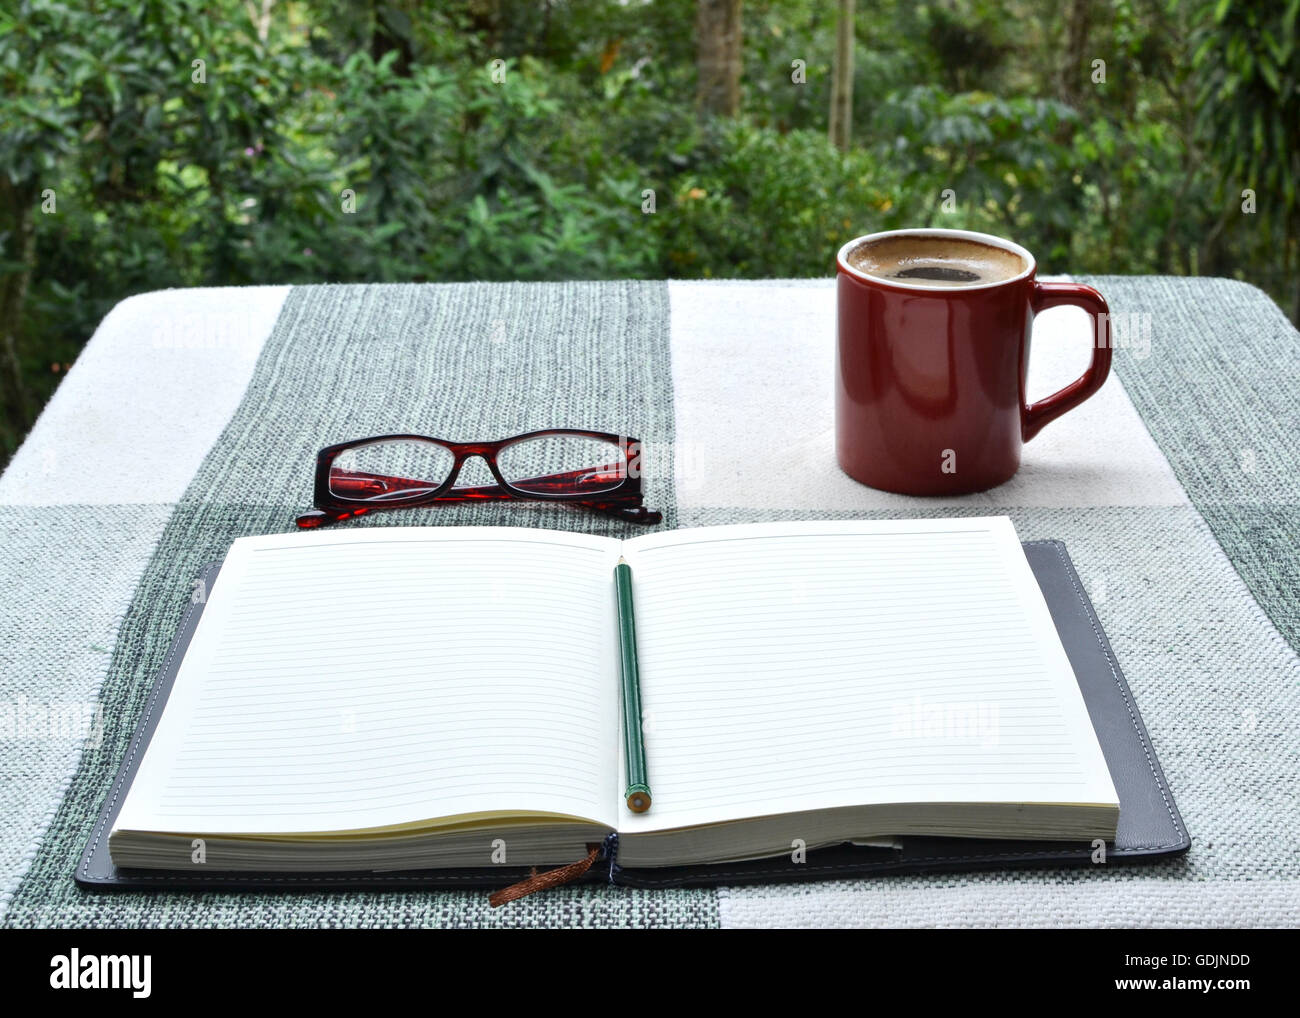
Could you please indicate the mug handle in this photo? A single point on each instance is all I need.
(1050, 295)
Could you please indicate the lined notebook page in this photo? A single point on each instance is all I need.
(385, 676)
(802, 666)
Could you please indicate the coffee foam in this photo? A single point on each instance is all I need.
(936, 261)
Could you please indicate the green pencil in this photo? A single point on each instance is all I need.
(638, 783)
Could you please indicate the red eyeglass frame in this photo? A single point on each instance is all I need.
(622, 501)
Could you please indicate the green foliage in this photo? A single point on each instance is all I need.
(971, 42)
(763, 204)
(1004, 160)
(1247, 60)
(371, 142)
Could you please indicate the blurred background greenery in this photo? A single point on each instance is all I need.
(164, 143)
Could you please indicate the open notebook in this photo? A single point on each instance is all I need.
(388, 699)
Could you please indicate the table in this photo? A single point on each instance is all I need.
(192, 417)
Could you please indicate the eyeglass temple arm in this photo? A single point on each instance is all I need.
(626, 507)
(356, 484)
(629, 513)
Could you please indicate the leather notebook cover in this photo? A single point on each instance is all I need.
(1149, 824)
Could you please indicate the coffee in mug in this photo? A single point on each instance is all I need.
(935, 261)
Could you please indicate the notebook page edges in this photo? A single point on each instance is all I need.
(801, 666)
(386, 677)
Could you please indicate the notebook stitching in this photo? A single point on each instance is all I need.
(637, 881)
(184, 882)
(1123, 691)
(141, 727)
(861, 868)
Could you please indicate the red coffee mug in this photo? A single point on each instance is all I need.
(930, 380)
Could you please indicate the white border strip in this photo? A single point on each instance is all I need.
(146, 399)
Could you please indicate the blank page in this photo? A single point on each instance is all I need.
(802, 666)
(385, 676)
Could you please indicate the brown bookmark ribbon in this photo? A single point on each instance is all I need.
(541, 881)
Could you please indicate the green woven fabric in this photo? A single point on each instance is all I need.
(1219, 390)
(462, 362)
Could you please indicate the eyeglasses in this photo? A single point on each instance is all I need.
(598, 471)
